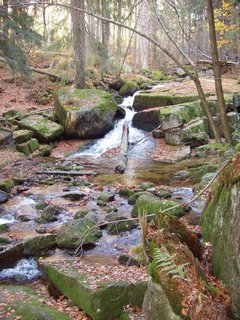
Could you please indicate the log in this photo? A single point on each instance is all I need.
(122, 156)
(53, 76)
(68, 173)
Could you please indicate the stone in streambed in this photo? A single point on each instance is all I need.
(116, 226)
(128, 88)
(85, 113)
(6, 185)
(3, 196)
(51, 212)
(35, 246)
(104, 198)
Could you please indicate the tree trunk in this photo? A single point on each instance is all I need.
(122, 156)
(105, 36)
(217, 74)
(78, 25)
(5, 18)
(119, 29)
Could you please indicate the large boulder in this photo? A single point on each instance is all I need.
(151, 99)
(95, 288)
(128, 88)
(147, 119)
(86, 113)
(75, 232)
(221, 226)
(43, 129)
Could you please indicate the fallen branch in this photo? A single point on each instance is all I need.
(68, 173)
(41, 71)
(122, 156)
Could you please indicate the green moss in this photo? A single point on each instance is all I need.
(128, 88)
(6, 185)
(22, 135)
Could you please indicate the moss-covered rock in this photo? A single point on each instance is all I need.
(150, 205)
(220, 226)
(46, 150)
(126, 192)
(101, 300)
(85, 113)
(151, 99)
(104, 197)
(147, 119)
(146, 185)
(23, 148)
(6, 185)
(128, 88)
(119, 224)
(35, 246)
(21, 136)
(43, 129)
(133, 198)
(26, 305)
(212, 149)
(33, 145)
(74, 232)
(193, 134)
(51, 212)
(204, 181)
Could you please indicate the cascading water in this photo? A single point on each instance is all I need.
(113, 138)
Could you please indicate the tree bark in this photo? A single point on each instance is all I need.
(78, 30)
(122, 156)
(217, 74)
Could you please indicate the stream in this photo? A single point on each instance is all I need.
(20, 213)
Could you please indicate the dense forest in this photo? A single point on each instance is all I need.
(119, 159)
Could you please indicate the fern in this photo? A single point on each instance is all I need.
(165, 262)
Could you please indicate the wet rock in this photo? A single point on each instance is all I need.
(3, 196)
(4, 227)
(74, 232)
(43, 129)
(103, 301)
(11, 255)
(21, 136)
(128, 88)
(25, 304)
(86, 113)
(25, 213)
(147, 185)
(118, 226)
(151, 99)
(104, 198)
(41, 229)
(133, 198)
(6, 137)
(126, 192)
(111, 209)
(147, 120)
(150, 205)
(163, 193)
(6, 185)
(51, 212)
(35, 246)
(74, 196)
(156, 305)
(82, 213)
(127, 260)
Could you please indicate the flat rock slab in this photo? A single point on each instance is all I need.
(99, 290)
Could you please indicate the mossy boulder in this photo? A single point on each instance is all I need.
(146, 185)
(51, 212)
(43, 129)
(102, 300)
(150, 205)
(177, 115)
(21, 136)
(126, 192)
(3, 196)
(85, 113)
(37, 245)
(206, 178)
(26, 305)
(128, 88)
(220, 226)
(119, 224)
(104, 197)
(72, 233)
(6, 137)
(151, 99)
(6, 185)
(193, 134)
(133, 198)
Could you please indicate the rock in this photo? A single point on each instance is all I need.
(4, 227)
(128, 88)
(149, 205)
(220, 226)
(147, 120)
(11, 255)
(151, 99)
(177, 115)
(46, 150)
(101, 300)
(26, 305)
(119, 100)
(72, 233)
(163, 193)
(236, 101)
(35, 246)
(82, 213)
(21, 136)
(180, 72)
(23, 148)
(133, 198)
(193, 134)
(126, 192)
(6, 137)
(204, 182)
(127, 260)
(51, 212)
(11, 113)
(74, 196)
(212, 149)
(156, 305)
(117, 226)
(3, 196)
(43, 129)
(6, 185)
(104, 198)
(86, 113)
(233, 120)
(33, 145)
(146, 185)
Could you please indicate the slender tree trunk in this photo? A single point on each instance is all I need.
(119, 29)
(78, 28)
(105, 35)
(5, 27)
(217, 74)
